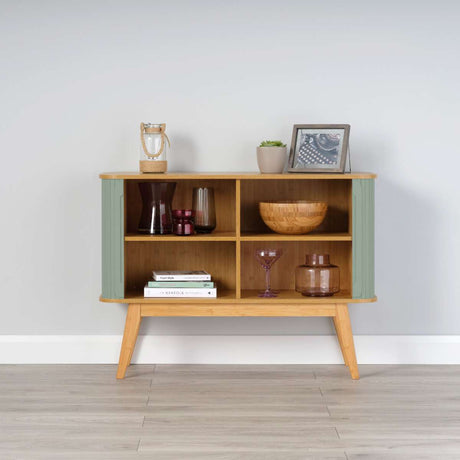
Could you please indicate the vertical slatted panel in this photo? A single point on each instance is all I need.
(112, 239)
(238, 236)
(363, 239)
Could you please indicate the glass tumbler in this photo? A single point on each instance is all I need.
(205, 209)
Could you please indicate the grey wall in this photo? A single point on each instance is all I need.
(76, 78)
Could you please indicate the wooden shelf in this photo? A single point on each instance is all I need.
(236, 175)
(291, 296)
(214, 236)
(248, 296)
(250, 236)
(223, 296)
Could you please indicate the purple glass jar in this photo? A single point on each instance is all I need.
(183, 221)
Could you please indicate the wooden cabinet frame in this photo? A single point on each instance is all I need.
(347, 234)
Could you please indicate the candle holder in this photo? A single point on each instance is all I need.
(153, 149)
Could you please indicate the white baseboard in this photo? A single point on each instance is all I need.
(228, 349)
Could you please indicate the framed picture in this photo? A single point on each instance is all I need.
(319, 148)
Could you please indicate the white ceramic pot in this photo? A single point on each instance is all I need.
(271, 160)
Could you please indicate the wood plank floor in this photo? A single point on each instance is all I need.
(167, 412)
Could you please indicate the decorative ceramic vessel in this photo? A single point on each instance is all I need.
(271, 160)
(293, 217)
(318, 277)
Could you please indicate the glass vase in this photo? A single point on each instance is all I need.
(156, 217)
(318, 277)
(205, 209)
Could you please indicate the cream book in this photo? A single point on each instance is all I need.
(180, 292)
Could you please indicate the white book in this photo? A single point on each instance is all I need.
(181, 275)
(180, 292)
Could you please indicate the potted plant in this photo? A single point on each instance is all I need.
(271, 157)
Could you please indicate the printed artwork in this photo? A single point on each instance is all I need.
(319, 148)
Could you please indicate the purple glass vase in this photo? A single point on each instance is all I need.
(156, 217)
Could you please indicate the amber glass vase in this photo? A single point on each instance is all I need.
(318, 277)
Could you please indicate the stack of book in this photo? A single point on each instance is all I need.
(179, 283)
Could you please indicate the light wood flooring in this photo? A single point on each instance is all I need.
(205, 412)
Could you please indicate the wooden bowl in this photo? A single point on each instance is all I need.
(292, 217)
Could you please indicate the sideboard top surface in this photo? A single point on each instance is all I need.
(236, 175)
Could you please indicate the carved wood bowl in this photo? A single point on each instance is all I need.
(292, 217)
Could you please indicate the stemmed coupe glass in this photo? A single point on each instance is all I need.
(266, 258)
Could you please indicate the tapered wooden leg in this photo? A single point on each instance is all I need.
(339, 338)
(345, 334)
(133, 321)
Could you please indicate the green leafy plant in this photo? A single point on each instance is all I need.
(272, 144)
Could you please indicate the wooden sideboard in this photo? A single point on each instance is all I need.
(347, 234)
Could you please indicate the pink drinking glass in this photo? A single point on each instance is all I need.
(266, 258)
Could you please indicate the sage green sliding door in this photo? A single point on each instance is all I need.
(113, 282)
(363, 239)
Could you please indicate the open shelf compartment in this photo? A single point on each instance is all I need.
(225, 201)
(337, 193)
(283, 270)
(216, 257)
